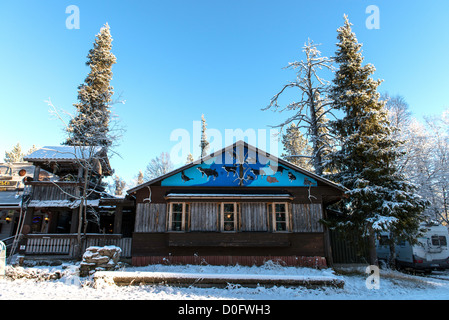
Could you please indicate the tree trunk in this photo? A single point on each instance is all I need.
(372, 247)
(81, 214)
(392, 256)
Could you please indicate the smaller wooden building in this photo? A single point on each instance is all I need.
(238, 205)
(53, 196)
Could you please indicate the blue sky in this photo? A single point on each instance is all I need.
(179, 59)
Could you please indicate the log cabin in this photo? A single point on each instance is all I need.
(239, 205)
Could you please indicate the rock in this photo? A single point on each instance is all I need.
(99, 258)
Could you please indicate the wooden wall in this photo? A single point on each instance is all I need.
(204, 216)
(252, 217)
(151, 217)
(222, 244)
(50, 191)
(306, 217)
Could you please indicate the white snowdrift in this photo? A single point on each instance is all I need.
(393, 285)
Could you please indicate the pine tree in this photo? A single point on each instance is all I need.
(140, 177)
(379, 196)
(15, 155)
(204, 145)
(32, 149)
(297, 149)
(119, 185)
(91, 124)
(189, 158)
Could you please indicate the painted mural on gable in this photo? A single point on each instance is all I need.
(240, 166)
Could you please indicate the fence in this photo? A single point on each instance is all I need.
(345, 249)
(58, 244)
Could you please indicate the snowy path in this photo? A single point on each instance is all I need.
(393, 285)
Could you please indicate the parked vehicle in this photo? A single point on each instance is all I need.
(430, 253)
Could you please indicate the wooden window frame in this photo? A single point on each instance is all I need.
(222, 222)
(184, 214)
(273, 217)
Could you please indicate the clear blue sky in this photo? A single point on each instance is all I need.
(179, 59)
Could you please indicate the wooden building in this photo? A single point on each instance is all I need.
(51, 210)
(239, 205)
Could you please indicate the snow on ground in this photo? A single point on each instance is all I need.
(66, 285)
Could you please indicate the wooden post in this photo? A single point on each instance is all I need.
(74, 221)
(327, 241)
(37, 171)
(118, 219)
(80, 173)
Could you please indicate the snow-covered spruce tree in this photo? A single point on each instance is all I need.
(15, 155)
(379, 197)
(204, 145)
(310, 112)
(139, 179)
(91, 125)
(89, 130)
(189, 158)
(118, 185)
(295, 144)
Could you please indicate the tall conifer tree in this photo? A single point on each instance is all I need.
(204, 145)
(380, 199)
(91, 124)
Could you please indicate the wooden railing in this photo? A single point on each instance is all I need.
(63, 244)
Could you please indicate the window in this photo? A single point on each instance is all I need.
(228, 217)
(280, 217)
(439, 241)
(178, 216)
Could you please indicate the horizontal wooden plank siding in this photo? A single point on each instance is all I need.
(204, 216)
(239, 243)
(55, 192)
(227, 240)
(150, 217)
(254, 216)
(306, 217)
(296, 261)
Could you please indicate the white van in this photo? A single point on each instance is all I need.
(430, 253)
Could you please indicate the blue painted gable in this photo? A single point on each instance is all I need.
(240, 167)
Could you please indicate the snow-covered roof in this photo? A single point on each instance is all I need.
(70, 157)
(10, 198)
(61, 203)
(63, 153)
